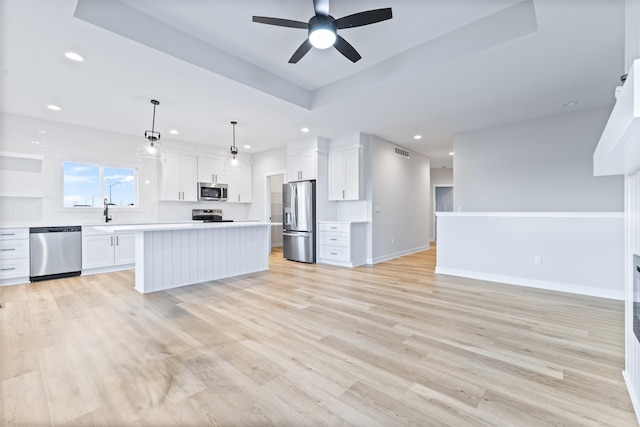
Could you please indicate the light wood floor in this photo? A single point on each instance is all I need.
(310, 345)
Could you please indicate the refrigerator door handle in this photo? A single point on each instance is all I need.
(296, 234)
(295, 201)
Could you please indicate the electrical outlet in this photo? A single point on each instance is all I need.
(537, 259)
(393, 241)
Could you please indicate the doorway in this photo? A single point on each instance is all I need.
(273, 204)
(443, 203)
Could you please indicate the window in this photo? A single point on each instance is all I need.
(87, 185)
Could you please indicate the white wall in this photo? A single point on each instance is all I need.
(542, 165)
(265, 163)
(440, 177)
(580, 253)
(59, 142)
(400, 189)
(631, 33)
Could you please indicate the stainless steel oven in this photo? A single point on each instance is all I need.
(212, 191)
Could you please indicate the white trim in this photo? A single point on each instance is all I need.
(433, 209)
(110, 269)
(536, 214)
(267, 191)
(398, 254)
(538, 284)
(632, 394)
(15, 281)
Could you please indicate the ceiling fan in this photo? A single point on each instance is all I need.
(323, 29)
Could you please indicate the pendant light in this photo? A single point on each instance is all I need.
(149, 151)
(233, 162)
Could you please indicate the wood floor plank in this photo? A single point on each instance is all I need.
(311, 344)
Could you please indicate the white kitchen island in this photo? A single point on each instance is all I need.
(173, 255)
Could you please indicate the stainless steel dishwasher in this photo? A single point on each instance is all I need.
(55, 252)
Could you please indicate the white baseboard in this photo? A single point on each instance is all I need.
(531, 283)
(399, 254)
(108, 269)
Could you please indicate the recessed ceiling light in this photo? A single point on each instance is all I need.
(247, 146)
(42, 132)
(53, 107)
(451, 153)
(73, 56)
(173, 132)
(35, 142)
(570, 104)
(305, 130)
(417, 137)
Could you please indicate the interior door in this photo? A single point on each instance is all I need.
(444, 203)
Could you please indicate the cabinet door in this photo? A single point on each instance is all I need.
(301, 167)
(351, 177)
(170, 186)
(211, 170)
(189, 178)
(336, 176)
(125, 249)
(240, 185)
(97, 251)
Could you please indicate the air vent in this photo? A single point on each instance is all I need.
(402, 152)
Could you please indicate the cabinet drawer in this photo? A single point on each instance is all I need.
(335, 253)
(10, 268)
(335, 239)
(11, 249)
(14, 233)
(335, 226)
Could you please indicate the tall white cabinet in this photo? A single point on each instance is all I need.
(345, 174)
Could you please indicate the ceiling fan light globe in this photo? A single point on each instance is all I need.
(322, 38)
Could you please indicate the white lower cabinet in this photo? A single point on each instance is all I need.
(343, 243)
(106, 251)
(14, 256)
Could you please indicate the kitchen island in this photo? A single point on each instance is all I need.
(171, 255)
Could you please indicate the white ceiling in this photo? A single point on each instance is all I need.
(437, 68)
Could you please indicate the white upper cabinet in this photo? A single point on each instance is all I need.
(240, 185)
(179, 178)
(302, 166)
(211, 170)
(345, 177)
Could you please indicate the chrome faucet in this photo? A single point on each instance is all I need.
(107, 218)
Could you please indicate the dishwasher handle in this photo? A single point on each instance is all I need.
(70, 229)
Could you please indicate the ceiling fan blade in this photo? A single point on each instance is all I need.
(364, 18)
(346, 49)
(280, 22)
(300, 52)
(321, 7)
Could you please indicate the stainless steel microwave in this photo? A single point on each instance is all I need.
(212, 191)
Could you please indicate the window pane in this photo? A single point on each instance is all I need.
(81, 185)
(120, 186)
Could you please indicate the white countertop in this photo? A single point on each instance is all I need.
(195, 225)
(85, 225)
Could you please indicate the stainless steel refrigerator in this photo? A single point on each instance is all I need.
(299, 221)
